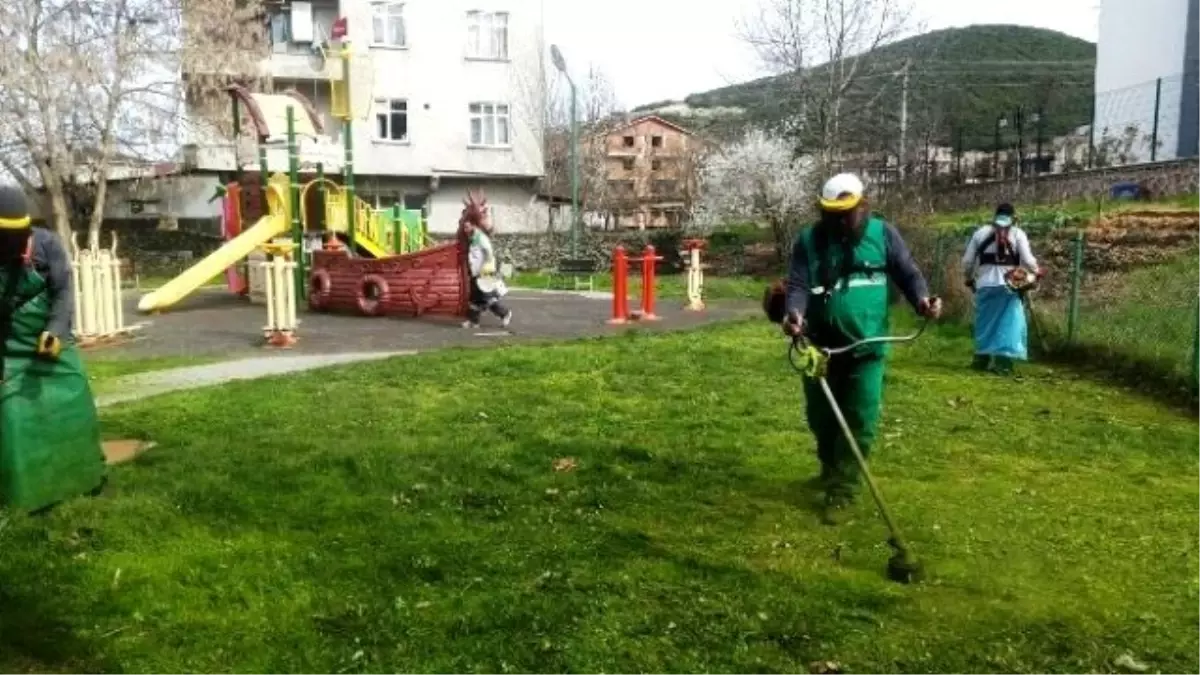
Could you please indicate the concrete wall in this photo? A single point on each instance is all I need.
(1162, 179)
(182, 197)
(515, 209)
(1140, 42)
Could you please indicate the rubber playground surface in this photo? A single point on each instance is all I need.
(212, 323)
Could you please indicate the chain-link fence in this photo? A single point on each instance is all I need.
(1056, 127)
(1119, 296)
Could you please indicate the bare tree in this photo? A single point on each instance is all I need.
(86, 83)
(597, 110)
(824, 49)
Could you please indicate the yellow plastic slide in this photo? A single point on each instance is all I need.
(267, 228)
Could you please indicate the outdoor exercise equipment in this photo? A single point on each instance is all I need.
(812, 361)
(620, 306)
(278, 270)
(695, 274)
(96, 287)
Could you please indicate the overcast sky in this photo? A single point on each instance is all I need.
(666, 49)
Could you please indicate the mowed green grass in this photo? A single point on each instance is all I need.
(408, 516)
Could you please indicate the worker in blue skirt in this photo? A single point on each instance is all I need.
(995, 251)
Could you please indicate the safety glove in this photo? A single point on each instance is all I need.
(49, 345)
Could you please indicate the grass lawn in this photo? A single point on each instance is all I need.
(666, 286)
(1072, 212)
(1140, 320)
(410, 516)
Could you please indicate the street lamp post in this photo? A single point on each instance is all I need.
(561, 65)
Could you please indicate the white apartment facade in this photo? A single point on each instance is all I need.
(448, 95)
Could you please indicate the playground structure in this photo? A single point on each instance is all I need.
(620, 306)
(695, 274)
(96, 288)
(375, 261)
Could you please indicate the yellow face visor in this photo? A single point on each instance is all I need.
(14, 223)
(844, 202)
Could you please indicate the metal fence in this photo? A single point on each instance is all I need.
(1122, 299)
(1053, 130)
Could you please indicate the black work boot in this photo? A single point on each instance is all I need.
(1004, 366)
(836, 508)
(981, 362)
(820, 481)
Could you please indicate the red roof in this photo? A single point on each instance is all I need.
(650, 118)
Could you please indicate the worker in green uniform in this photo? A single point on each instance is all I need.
(837, 294)
(49, 434)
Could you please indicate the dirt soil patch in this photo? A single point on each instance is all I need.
(124, 450)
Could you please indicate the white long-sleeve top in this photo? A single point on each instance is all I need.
(993, 275)
(481, 258)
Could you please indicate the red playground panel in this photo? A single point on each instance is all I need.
(231, 226)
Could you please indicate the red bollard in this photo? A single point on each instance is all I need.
(620, 271)
(649, 261)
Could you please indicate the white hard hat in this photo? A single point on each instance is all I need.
(842, 192)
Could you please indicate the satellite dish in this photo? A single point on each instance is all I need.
(556, 58)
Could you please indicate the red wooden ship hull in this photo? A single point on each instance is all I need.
(429, 282)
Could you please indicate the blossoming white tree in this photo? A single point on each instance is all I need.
(756, 179)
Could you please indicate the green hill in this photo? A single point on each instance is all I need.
(961, 80)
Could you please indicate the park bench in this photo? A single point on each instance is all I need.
(575, 269)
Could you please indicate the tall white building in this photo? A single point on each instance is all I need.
(448, 96)
(1147, 49)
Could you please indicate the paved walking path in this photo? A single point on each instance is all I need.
(214, 323)
(144, 385)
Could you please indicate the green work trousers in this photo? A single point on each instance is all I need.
(857, 386)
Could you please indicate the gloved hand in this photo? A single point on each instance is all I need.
(49, 345)
(793, 325)
(930, 307)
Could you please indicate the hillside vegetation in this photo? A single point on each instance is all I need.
(960, 79)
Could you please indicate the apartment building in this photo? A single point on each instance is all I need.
(448, 95)
(650, 167)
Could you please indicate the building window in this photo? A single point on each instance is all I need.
(487, 35)
(391, 120)
(280, 31)
(387, 24)
(627, 163)
(656, 141)
(628, 140)
(655, 164)
(622, 188)
(490, 124)
(664, 187)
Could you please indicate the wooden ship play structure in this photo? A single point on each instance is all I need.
(342, 254)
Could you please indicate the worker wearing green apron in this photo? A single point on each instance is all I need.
(49, 434)
(837, 294)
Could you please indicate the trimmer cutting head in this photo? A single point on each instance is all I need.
(903, 567)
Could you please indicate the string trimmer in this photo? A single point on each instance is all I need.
(813, 362)
(1023, 282)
